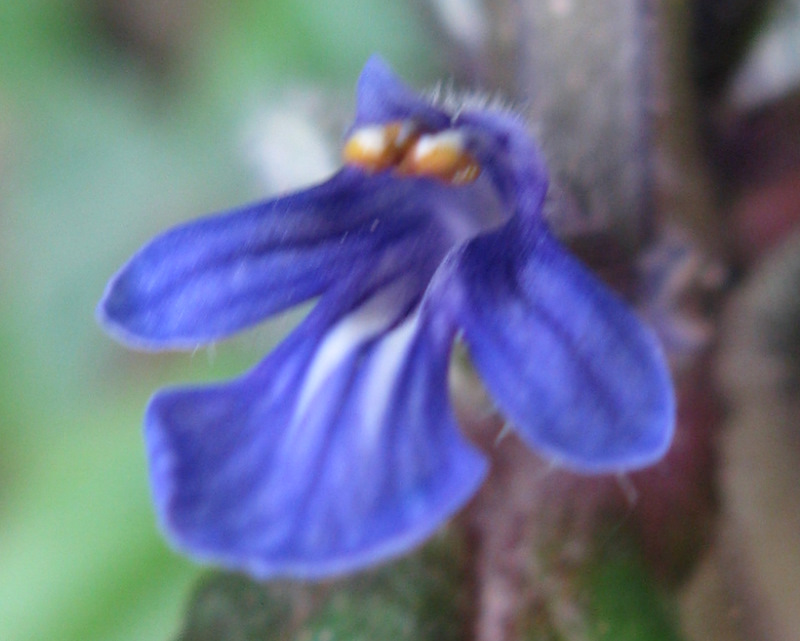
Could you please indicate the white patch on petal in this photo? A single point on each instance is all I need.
(385, 366)
(362, 324)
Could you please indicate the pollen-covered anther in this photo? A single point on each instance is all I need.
(441, 156)
(378, 147)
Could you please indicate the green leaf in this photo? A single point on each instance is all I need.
(626, 604)
(419, 598)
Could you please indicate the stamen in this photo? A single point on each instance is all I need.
(399, 145)
(441, 156)
(378, 147)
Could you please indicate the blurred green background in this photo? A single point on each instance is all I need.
(118, 119)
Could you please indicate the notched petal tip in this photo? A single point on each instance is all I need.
(254, 476)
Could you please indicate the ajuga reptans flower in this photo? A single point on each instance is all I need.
(340, 448)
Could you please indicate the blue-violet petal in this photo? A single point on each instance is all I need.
(567, 363)
(207, 279)
(337, 452)
(381, 97)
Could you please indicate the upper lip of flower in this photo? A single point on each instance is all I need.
(340, 448)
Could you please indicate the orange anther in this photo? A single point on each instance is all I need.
(441, 156)
(399, 145)
(378, 147)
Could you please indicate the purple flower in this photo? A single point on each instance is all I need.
(340, 448)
